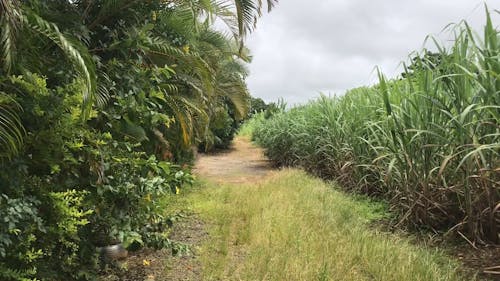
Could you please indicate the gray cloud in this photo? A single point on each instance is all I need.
(305, 47)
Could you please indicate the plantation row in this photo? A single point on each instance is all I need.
(428, 141)
(101, 106)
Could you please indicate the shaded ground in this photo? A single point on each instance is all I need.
(242, 163)
(485, 260)
(186, 267)
(154, 265)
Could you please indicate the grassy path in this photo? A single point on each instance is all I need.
(265, 224)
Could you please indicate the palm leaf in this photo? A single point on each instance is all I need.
(73, 50)
(11, 129)
(237, 93)
(7, 44)
(185, 113)
(9, 24)
(245, 12)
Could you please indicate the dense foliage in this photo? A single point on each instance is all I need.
(101, 104)
(428, 141)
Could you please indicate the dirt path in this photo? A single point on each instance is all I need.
(244, 162)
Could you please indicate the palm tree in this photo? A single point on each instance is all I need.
(198, 81)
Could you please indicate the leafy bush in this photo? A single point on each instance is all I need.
(74, 188)
(222, 130)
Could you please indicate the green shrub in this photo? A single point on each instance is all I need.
(74, 188)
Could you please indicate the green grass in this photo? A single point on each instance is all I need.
(292, 226)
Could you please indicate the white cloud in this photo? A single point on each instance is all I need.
(305, 47)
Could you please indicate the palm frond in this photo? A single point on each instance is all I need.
(73, 50)
(214, 43)
(246, 13)
(11, 129)
(237, 93)
(185, 113)
(103, 90)
(270, 5)
(161, 52)
(9, 9)
(180, 21)
(7, 45)
(224, 11)
(9, 25)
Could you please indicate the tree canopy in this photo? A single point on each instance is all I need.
(101, 104)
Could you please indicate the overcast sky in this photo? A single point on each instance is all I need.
(303, 48)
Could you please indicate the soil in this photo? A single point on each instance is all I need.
(156, 265)
(244, 163)
(484, 260)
